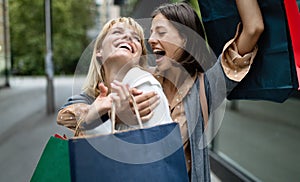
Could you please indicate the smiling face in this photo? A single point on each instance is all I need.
(120, 41)
(122, 44)
(165, 41)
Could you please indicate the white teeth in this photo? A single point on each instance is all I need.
(126, 45)
(156, 51)
(159, 52)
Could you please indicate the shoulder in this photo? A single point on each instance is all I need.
(137, 76)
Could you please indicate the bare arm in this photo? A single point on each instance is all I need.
(253, 25)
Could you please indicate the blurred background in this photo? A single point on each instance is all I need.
(41, 43)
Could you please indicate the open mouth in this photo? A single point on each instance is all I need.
(126, 46)
(159, 54)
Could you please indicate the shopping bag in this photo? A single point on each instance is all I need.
(272, 76)
(293, 16)
(144, 154)
(53, 164)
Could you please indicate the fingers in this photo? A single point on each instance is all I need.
(146, 104)
(141, 98)
(147, 100)
(116, 99)
(135, 92)
(121, 89)
(147, 117)
(121, 96)
(148, 107)
(103, 89)
(120, 93)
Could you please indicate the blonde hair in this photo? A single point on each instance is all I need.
(96, 72)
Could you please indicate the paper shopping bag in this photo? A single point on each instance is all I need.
(272, 76)
(150, 154)
(143, 154)
(53, 164)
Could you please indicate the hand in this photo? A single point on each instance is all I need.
(103, 100)
(71, 114)
(120, 95)
(146, 102)
(100, 106)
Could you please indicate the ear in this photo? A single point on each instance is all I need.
(184, 42)
(99, 56)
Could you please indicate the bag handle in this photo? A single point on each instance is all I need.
(203, 100)
(113, 117)
(113, 114)
(77, 129)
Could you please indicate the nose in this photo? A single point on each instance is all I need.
(127, 36)
(152, 40)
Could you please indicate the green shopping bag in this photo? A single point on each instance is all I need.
(54, 164)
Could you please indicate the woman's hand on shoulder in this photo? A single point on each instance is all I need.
(146, 103)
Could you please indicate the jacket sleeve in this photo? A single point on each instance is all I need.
(236, 66)
(229, 69)
(81, 98)
(75, 108)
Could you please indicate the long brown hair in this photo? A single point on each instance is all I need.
(186, 21)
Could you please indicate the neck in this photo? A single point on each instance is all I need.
(177, 76)
(115, 72)
(173, 79)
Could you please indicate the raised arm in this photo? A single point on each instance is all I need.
(253, 25)
(238, 53)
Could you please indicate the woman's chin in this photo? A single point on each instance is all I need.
(121, 57)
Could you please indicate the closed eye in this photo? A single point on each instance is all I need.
(137, 38)
(161, 33)
(116, 32)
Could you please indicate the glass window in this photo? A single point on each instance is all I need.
(262, 138)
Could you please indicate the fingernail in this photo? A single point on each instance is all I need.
(116, 82)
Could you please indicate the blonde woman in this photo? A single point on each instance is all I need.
(116, 65)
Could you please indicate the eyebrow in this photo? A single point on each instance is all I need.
(120, 28)
(132, 31)
(158, 27)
